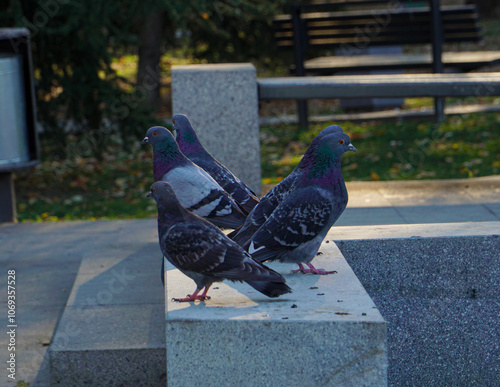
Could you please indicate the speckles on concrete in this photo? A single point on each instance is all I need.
(440, 296)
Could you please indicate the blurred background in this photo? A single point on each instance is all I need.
(102, 78)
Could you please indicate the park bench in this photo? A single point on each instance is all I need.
(312, 29)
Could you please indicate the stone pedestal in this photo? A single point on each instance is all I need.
(327, 332)
(221, 102)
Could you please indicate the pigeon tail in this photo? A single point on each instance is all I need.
(241, 236)
(233, 233)
(270, 289)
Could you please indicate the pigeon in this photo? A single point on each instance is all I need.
(204, 253)
(275, 196)
(298, 225)
(193, 150)
(196, 190)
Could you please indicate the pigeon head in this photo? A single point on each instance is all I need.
(166, 199)
(166, 152)
(157, 135)
(185, 135)
(329, 130)
(337, 143)
(326, 153)
(310, 153)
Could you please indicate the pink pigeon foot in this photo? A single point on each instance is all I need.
(194, 296)
(312, 270)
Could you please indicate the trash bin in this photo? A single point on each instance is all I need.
(13, 125)
(18, 135)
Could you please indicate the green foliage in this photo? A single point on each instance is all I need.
(85, 188)
(461, 147)
(73, 44)
(115, 187)
(234, 30)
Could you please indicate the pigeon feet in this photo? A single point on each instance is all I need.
(312, 270)
(194, 296)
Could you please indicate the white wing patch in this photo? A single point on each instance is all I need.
(191, 184)
(283, 243)
(208, 208)
(252, 249)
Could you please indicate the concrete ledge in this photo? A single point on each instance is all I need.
(112, 330)
(438, 287)
(327, 332)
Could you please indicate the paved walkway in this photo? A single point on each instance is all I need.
(47, 256)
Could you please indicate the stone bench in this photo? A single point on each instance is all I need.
(327, 332)
(436, 286)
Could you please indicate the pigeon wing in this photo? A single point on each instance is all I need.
(297, 220)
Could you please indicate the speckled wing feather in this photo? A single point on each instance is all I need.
(198, 248)
(296, 221)
(263, 210)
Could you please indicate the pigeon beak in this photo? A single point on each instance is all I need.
(145, 141)
(150, 194)
(351, 147)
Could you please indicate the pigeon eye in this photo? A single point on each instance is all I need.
(155, 133)
(173, 122)
(154, 189)
(341, 141)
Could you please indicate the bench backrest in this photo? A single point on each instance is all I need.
(411, 25)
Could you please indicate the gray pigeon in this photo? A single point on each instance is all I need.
(191, 147)
(298, 225)
(204, 253)
(196, 190)
(275, 196)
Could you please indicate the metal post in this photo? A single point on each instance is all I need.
(7, 198)
(299, 47)
(437, 50)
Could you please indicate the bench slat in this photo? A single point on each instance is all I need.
(465, 61)
(381, 27)
(373, 86)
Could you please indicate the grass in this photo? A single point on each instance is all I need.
(115, 186)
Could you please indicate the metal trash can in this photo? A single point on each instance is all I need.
(13, 122)
(18, 134)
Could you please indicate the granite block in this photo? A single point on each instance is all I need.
(221, 103)
(327, 332)
(112, 330)
(440, 295)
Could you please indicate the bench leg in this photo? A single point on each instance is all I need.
(303, 115)
(7, 198)
(439, 109)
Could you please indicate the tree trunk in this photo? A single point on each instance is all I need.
(148, 72)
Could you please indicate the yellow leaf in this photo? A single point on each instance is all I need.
(374, 176)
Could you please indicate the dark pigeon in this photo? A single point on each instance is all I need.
(278, 193)
(196, 190)
(191, 147)
(204, 253)
(298, 225)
